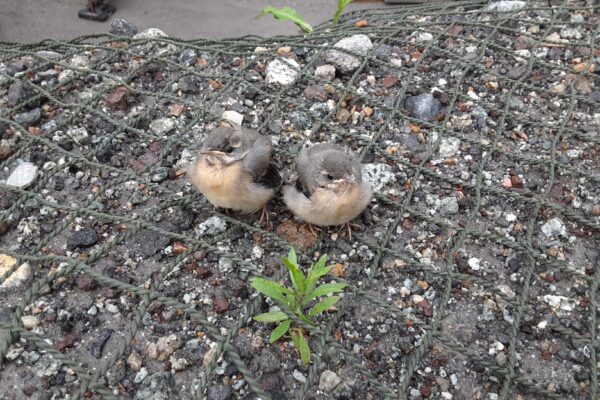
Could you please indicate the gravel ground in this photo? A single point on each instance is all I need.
(473, 274)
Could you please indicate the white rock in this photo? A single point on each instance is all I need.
(345, 62)
(112, 308)
(506, 6)
(328, 381)
(23, 175)
(449, 146)
(474, 263)
(506, 290)
(17, 278)
(150, 33)
(257, 252)
(421, 37)
(162, 126)
(65, 75)
(299, 376)
(29, 321)
(446, 396)
(562, 302)
(78, 134)
(283, 71)
(210, 227)
(554, 227)
(233, 117)
(449, 205)
(379, 175)
(141, 375)
(326, 72)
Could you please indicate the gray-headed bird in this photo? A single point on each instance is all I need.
(233, 170)
(330, 189)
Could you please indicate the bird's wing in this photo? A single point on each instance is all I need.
(306, 167)
(257, 159)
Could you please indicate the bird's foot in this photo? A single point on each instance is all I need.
(349, 227)
(312, 228)
(264, 216)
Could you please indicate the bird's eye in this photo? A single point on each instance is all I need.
(229, 149)
(329, 177)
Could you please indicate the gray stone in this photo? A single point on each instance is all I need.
(53, 55)
(78, 134)
(300, 120)
(47, 366)
(162, 126)
(97, 344)
(553, 228)
(160, 175)
(28, 118)
(121, 27)
(571, 33)
(23, 175)
(188, 57)
(20, 276)
(326, 72)
(423, 106)
(18, 92)
(219, 392)
(268, 360)
(505, 6)
(190, 84)
(345, 62)
(282, 71)
(328, 381)
(141, 375)
(449, 205)
(379, 175)
(158, 386)
(83, 238)
(449, 147)
(210, 227)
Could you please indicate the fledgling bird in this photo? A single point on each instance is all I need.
(233, 170)
(330, 189)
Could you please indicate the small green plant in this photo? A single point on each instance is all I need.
(290, 14)
(287, 13)
(304, 299)
(340, 8)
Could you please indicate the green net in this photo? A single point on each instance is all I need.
(473, 274)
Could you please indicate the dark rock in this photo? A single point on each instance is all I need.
(595, 96)
(219, 392)
(146, 243)
(188, 57)
(97, 344)
(582, 376)
(121, 27)
(423, 106)
(19, 91)
(383, 52)
(86, 283)
(315, 92)
(300, 51)
(158, 386)
(268, 360)
(275, 126)
(189, 84)
(117, 99)
(389, 81)
(270, 382)
(5, 152)
(517, 72)
(29, 118)
(83, 238)
(220, 303)
(160, 175)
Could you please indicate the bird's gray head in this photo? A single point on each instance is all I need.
(224, 146)
(335, 171)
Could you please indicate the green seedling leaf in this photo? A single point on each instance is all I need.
(273, 316)
(271, 289)
(302, 345)
(289, 14)
(316, 271)
(281, 329)
(298, 278)
(340, 8)
(323, 290)
(292, 256)
(323, 305)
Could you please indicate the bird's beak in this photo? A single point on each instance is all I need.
(223, 158)
(348, 179)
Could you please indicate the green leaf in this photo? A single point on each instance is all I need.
(292, 256)
(340, 8)
(324, 290)
(316, 271)
(287, 13)
(302, 345)
(272, 316)
(323, 305)
(271, 289)
(298, 278)
(281, 329)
